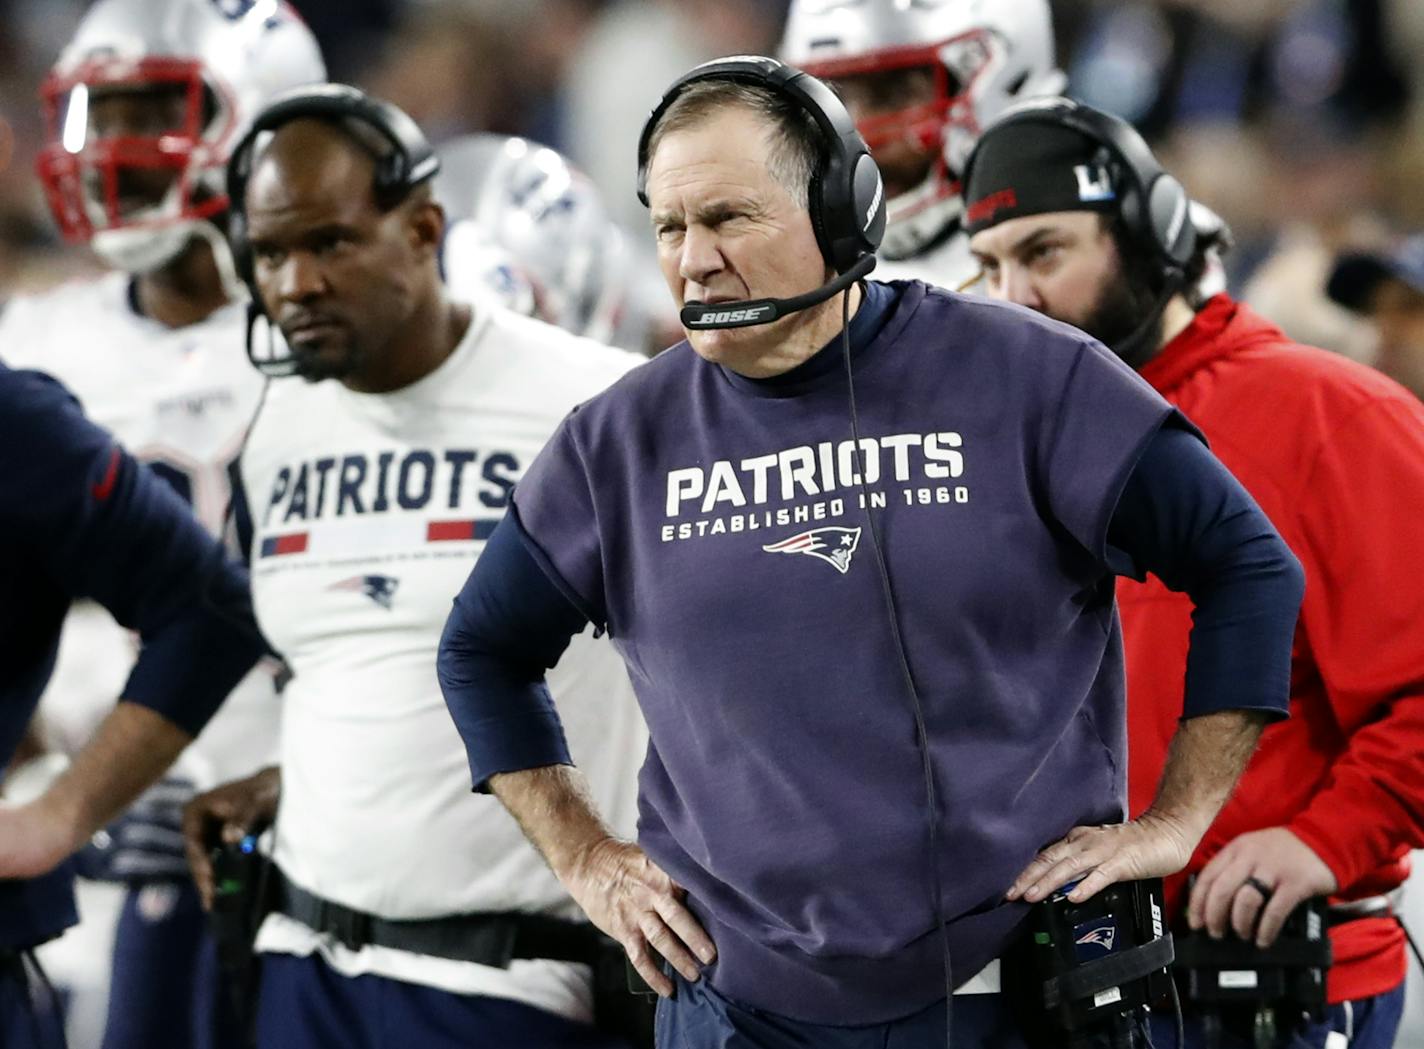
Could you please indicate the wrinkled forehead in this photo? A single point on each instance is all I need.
(724, 153)
(729, 132)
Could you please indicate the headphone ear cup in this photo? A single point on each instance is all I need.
(1169, 212)
(851, 226)
(821, 223)
(868, 196)
(390, 179)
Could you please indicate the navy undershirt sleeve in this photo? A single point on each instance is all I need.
(1184, 518)
(96, 523)
(509, 625)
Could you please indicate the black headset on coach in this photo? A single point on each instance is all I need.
(846, 198)
(1156, 217)
(409, 161)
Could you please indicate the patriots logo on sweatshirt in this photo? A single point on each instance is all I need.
(835, 546)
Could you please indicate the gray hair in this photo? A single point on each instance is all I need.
(796, 139)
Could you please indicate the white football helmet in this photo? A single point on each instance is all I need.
(985, 55)
(533, 230)
(225, 58)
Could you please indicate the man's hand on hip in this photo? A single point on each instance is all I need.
(1204, 761)
(1254, 883)
(224, 815)
(1148, 847)
(629, 897)
(622, 891)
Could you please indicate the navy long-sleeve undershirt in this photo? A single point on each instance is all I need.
(79, 517)
(1181, 517)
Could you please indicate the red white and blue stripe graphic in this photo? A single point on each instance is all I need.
(291, 543)
(456, 531)
(353, 538)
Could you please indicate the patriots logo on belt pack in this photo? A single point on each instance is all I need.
(1101, 936)
(379, 588)
(835, 546)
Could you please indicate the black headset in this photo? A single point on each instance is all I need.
(1153, 206)
(410, 161)
(847, 197)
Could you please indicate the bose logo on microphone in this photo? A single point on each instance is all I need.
(733, 316)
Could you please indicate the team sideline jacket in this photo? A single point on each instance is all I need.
(1334, 453)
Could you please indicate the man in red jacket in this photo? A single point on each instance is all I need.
(1071, 215)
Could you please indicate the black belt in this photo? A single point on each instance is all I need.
(494, 938)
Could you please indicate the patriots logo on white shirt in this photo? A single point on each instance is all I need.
(379, 588)
(835, 546)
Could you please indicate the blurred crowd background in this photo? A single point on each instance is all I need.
(1299, 121)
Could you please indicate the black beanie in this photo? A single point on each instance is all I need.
(1033, 167)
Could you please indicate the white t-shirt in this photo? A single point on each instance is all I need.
(180, 400)
(368, 512)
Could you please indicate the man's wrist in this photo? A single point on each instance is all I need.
(1187, 827)
(580, 860)
(62, 808)
(552, 805)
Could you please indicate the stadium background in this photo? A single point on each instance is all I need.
(1300, 121)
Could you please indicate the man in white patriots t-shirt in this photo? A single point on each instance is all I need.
(407, 903)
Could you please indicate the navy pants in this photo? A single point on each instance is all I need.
(305, 1004)
(165, 992)
(29, 1017)
(1368, 1023)
(700, 1018)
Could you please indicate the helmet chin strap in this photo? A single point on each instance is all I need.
(140, 251)
(233, 286)
(917, 217)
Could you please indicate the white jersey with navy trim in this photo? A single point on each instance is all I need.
(368, 512)
(180, 400)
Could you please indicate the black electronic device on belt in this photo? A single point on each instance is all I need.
(237, 873)
(240, 884)
(1255, 991)
(1086, 969)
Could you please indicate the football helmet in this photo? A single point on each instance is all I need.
(533, 230)
(984, 55)
(139, 182)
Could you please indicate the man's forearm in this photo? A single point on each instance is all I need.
(132, 747)
(31, 746)
(556, 813)
(1206, 758)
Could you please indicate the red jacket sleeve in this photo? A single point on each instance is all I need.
(1362, 505)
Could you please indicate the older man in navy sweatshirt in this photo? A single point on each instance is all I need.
(850, 755)
(80, 518)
